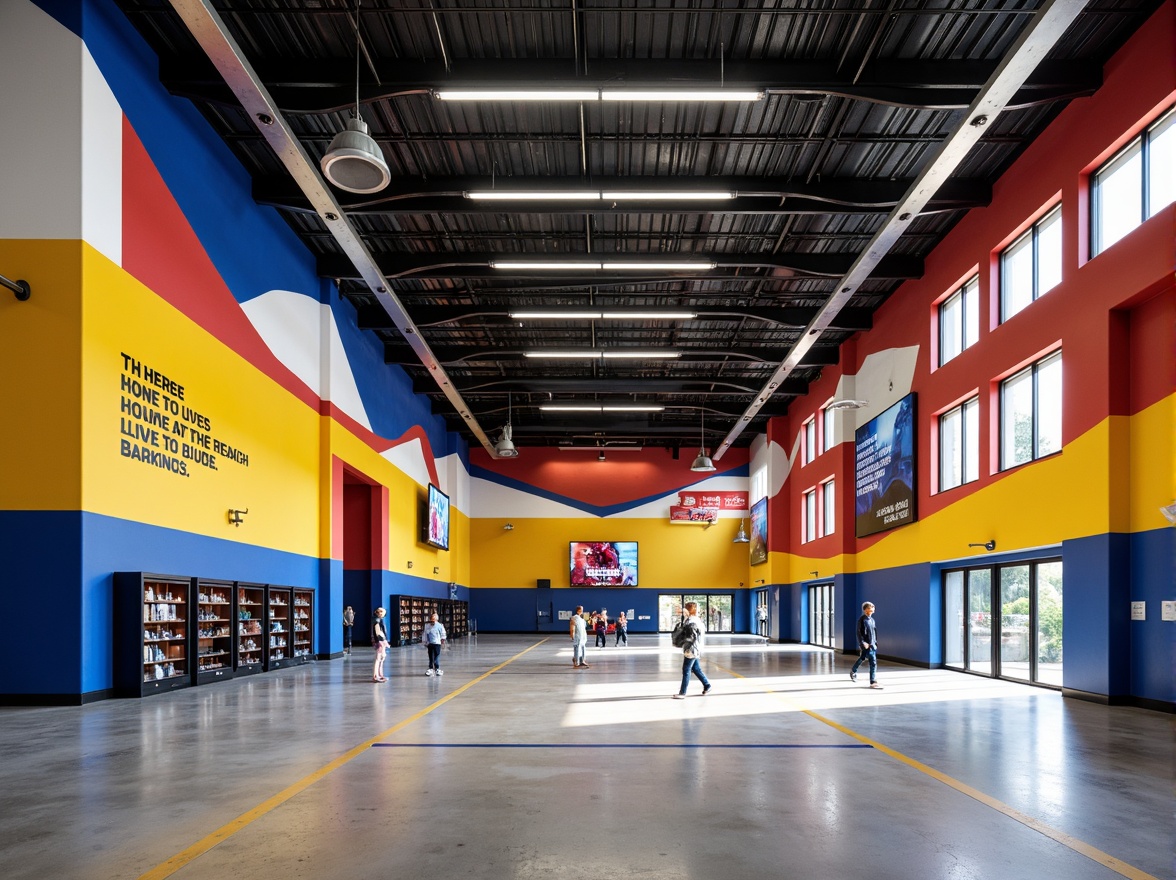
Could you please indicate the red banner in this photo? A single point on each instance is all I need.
(715, 500)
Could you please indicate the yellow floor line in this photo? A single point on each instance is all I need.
(1070, 842)
(180, 859)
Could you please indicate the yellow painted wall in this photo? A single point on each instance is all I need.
(671, 557)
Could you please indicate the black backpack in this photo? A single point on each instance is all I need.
(680, 636)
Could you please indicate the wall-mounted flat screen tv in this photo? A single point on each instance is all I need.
(759, 532)
(884, 473)
(437, 518)
(603, 563)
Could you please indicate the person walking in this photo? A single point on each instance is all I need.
(380, 643)
(578, 629)
(348, 625)
(867, 636)
(600, 627)
(434, 638)
(761, 615)
(688, 635)
(622, 626)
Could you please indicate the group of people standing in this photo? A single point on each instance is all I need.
(433, 638)
(689, 635)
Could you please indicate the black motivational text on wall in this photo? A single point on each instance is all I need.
(160, 428)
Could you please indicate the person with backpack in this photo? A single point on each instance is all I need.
(600, 627)
(688, 635)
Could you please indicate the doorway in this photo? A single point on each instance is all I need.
(1005, 621)
(714, 610)
(761, 613)
(821, 615)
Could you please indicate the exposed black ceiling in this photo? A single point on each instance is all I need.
(860, 101)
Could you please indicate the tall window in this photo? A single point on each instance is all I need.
(808, 516)
(828, 508)
(828, 421)
(1032, 265)
(1031, 412)
(959, 321)
(959, 445)
(808, 441)
(1136, 183)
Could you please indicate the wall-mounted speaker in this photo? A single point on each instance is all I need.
(543, 583)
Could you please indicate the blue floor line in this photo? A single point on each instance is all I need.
(382, 745)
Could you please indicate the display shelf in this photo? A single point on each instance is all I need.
(278, 629)
(302, 624)
(152, 633)
(214, 631)
(250, 618)
(410, 614)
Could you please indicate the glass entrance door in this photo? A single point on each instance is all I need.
(1005, 621)
(820, 615)
(714, 610)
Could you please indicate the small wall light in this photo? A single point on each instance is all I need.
(235, 516)
(436, 570)
(20, 289)
(814, 574)
(987, 545)
(410, 563)
(508, 527)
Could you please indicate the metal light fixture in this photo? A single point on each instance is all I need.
(847, 404)
(741, 535)
(354, 161)
(509, 527)
(505, 447)
(606, 94)
(987, 545)
(702, 462)
(235, 516)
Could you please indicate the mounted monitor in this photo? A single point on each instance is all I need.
(603, 563)
(884, 476)
(437, 519)
(759, 532)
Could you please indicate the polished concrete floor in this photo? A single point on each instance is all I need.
(514, 765)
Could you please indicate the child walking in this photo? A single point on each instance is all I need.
(434, 638)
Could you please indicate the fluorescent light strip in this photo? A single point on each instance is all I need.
(672, 95)
(532, 196)
(610, 353)
(664, 266)
(672, 196)
(603, 265)
(548, 265)
(588, 95)
(649, 316)
(517, 94)
(594, 196)
(585, 407)
(608, 316)
(557, 316)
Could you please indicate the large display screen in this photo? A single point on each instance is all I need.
(884, 473)
(437, 518)
(603, 563)
(759, 532)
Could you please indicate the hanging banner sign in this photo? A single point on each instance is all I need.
(716, 500)
(680, 514)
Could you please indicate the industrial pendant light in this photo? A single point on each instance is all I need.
(741, 535)
(702, 462)
(353, 161)
(505, 447)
